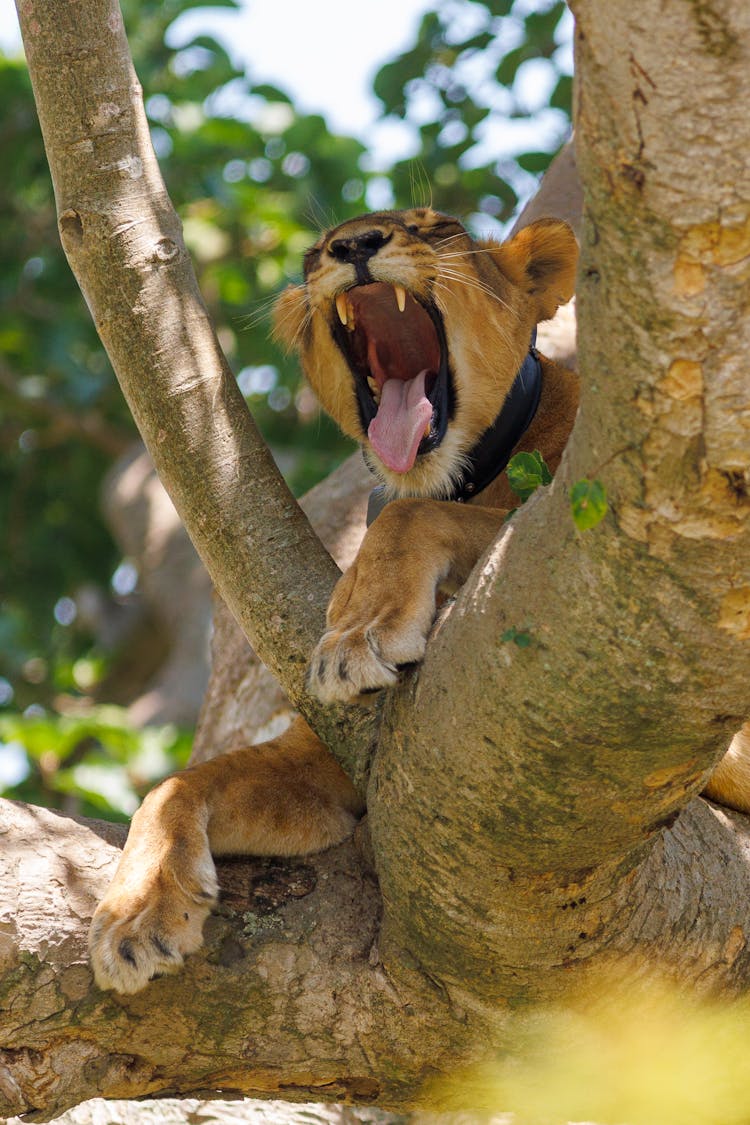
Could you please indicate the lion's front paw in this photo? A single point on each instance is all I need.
(382, 609)
(351, 662)
(147, 922)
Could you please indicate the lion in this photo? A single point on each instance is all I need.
(419, 341)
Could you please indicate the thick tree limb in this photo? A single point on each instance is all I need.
(289, 998)
(124, 243)
(570, 753)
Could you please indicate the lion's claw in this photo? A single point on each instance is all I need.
(352, 662)
(153, 912)
(130, 946)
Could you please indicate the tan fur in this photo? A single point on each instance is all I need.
(285, 797)
(289, 796)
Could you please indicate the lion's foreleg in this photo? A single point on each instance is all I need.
(382, 609)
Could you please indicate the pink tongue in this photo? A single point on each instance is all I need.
(399, 425)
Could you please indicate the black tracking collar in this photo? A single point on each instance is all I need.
(493, 451)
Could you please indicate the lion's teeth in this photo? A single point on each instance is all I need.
(427, 429)
(374, 388)
(400, 297)
(341, 307)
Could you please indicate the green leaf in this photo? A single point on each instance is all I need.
(526, 472)
(534, 161)
(588, 503)
(478, 42)
(271, 93)
(562, 95)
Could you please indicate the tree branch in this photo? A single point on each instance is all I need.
(124, 243)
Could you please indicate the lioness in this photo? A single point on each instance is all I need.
(418, 340)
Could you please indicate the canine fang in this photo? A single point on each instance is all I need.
(341, 307)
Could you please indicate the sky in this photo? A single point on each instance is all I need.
(325, 52)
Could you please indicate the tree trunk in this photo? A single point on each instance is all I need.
(532, 809)
(592, 737)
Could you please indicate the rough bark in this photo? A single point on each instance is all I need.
(597, 733)
(532, 808)
(288, 999)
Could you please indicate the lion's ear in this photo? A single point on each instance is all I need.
(289, 317)
(542, 260)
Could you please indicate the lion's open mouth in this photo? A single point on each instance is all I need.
(396, 350)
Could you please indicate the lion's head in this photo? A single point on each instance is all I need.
(411, 333)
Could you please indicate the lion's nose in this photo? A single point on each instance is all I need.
(358, 248)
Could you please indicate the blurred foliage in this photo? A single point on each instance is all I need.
(622, 1050)
(477, 77)
(247, 194)
(89, 765)
(253, 180)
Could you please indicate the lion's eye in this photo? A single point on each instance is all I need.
(413, 228)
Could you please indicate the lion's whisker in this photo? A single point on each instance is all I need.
(476, 250)
(259, 313)
(448, 239)
(479, 286)
(501, 330)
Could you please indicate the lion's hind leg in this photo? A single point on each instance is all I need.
(284, 797)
